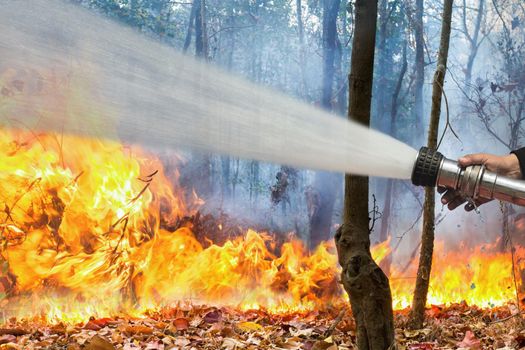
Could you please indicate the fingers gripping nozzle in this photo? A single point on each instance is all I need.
(473, 182)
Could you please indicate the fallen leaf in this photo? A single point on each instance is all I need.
(103, 322)
(416, 333)
(117, 338)
(249, 326)
(58, 329)
(181, 323)
(13, 331)
(213, 316)
(302, 332)
(7, 338)
(469, 342)
(99, 343)
(181, 341)
(92, 326)
(227, 332)
(323, 345)
(137, 329)
(421, 346)
(231, 343)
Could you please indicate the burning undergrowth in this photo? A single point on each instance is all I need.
(94, 228)
(101, 249)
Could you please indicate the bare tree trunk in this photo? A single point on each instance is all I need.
(385, 218)
(325, 184)
(320, 219)
(191, 23)
(201, 50)
(384, 64)
(419, 68)
(473, 39)
(417, 315)
(201, 35)
(330, 14)
(302, 49)
(364, 281)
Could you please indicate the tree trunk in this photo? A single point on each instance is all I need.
(302, 49)
(417, 315)
(321, 211)
(330, 14)
(473, 40)
(384, 64)
(420, 70)
(364, 281)
(204, 175)
(325, 184)
(201, 35)
(191, 23)
(385, 218)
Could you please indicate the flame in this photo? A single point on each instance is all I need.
(478, 275)
(82, 235)
(82, 232)
(90, 228)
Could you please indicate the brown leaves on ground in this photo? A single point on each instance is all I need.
(460, 326)
(201, 327)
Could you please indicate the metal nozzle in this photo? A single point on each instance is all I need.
(473, 182)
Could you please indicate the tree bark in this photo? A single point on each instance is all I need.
(417, 315)
(201, 35)
(384, 64)
(191, 23)
(364, 281)
(473, 40)
(325, 184)
(330, 12)
(420, 69)
(302, 49)
(321, 212)
(385, 218)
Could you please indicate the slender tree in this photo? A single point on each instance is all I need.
(364, 281)
(325, 184)
(473, 37)
(419, 68)
(201, 35)
(417, 315)
(191, 24)
(389, 192)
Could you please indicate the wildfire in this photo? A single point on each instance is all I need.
(93, 228)
(82, 235)
(82, 232)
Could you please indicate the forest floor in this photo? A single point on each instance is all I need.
(201, 327)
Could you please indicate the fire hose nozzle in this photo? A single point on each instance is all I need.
(432, 169)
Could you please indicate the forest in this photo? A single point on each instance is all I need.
(110, 244)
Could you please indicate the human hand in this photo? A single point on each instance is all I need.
(507, 165)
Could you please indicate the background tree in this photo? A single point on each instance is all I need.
(326, 184)
(417, 314)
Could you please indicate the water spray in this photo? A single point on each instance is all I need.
(155, 96)
(473, 182)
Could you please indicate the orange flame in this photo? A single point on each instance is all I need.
(83, 222)
(81, 231)
(82, 234)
